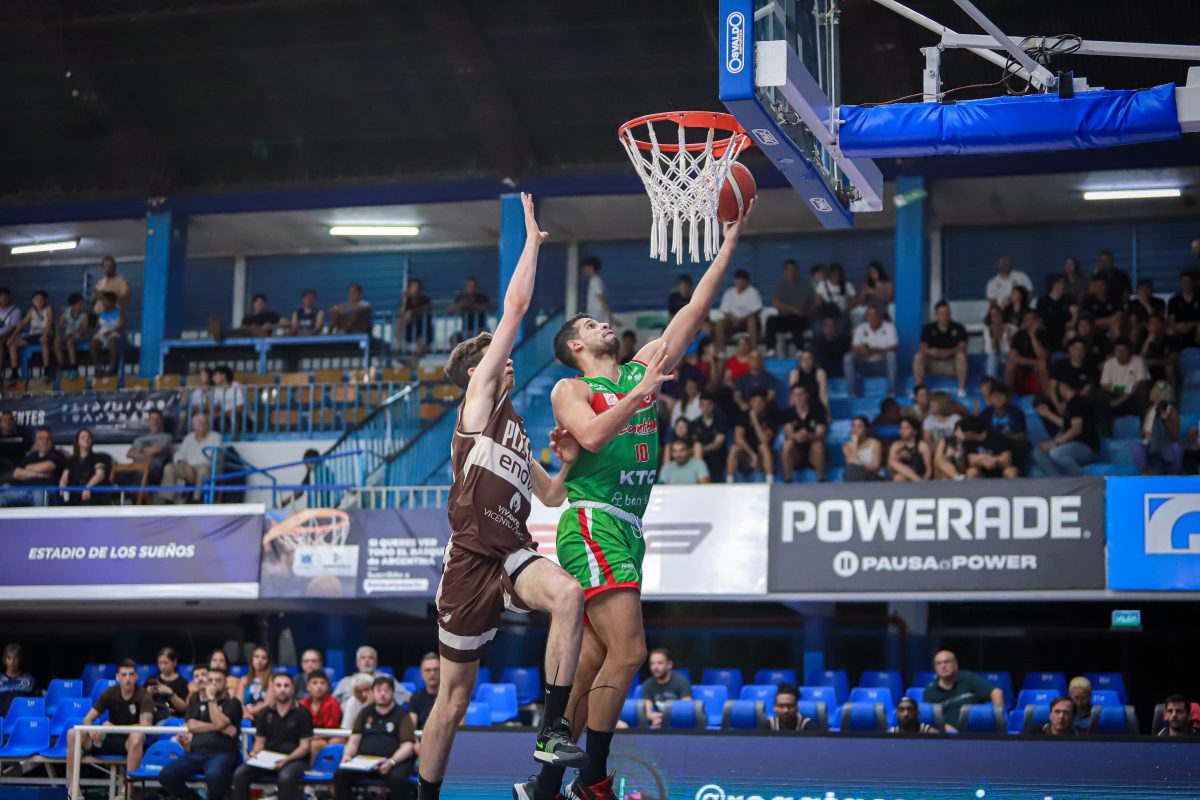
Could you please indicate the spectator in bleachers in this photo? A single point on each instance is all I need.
(737, 364)
(1027, 369)
(682, 295)
(752, 440)
(228, 397)
(1160, 449)
(829, 347)
(908, 718)
(1077, 370)
(126, 703)
(421, 701)
(1144, 305)
(167, 687)
(663, 686)
(1005, 419)
(950, 457)
(1117, 280)
(1125, 381)
(1075, 436)
(366, 659)
(254, 688)
(787, 712)
(921, 404)
(711, 434)
(873, 350)
(793, 299)
(834, 294)
(214, 721)
(1097, 341)
(14, 680)
(629, 347)
(109, 337)
(1017, 305)
(261, 321)
(10, 329)
(804, 426)
(755, 379)
(941, 419)
(311, 659)
(684, 468)
(307, 320)
(688, 405)
(739, 309)
(152, 448)
(352, 316)
(984, 391)
(473, 305)
(1076, 281)
(218, 660)
(414, 319)
(955, 688)
(41, 466)
(671, 391)
(359, 697)
(325, 710)
(1177, 717)
(1080, 692)
(192, 464)
(1105, 309)
(943, 349)
(812, 377)
(889, 413)
(37, 327)
(1155, 349)
(878, 290)
(910, 458)
(110, 282)
(988, 454)
(200, 396)
(711, 365)
(85, 468)
(596, 305)
(999, 290)
(1183, 312)
(1196, 249)
(73, 329)
(1062, 719)
(863, 453)
(1058, 311)
(385, 730)
(283, 727)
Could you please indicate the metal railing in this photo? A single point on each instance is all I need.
(372, 497)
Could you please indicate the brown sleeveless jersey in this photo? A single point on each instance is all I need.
(489, 502)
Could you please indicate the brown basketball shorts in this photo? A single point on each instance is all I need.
(474, 592)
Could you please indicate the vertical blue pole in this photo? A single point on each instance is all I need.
(512, 242)
(912, 274)
(162, 303)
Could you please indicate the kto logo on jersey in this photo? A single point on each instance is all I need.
(735, 42)
(820, 204)
(1172, 524)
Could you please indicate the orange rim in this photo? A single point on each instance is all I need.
(690, 119)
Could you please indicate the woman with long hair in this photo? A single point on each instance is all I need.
(254, 689)
(863, 452)
(997, 339)
(1077, 282)
(85, 468)
(909, 458)
(168, 688)
(879, 290)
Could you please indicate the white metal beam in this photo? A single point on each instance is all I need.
(1041, 76)
(1087, 47)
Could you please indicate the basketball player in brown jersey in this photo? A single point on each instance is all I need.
(490, 563)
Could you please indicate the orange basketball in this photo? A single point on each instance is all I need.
(736, 193)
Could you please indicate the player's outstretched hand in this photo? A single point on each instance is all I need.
(734, 229)
(564, 446)
(656, 373)
(532, 229)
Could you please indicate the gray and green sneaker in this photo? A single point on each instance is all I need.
(555, 746)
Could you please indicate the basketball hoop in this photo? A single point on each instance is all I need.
(684, 179)
(313, 527)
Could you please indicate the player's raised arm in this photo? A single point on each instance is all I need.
(682, 329)
(481, 390)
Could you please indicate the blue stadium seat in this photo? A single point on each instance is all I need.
(836, 678)
(635, 690)
(824, 694)
(1102, 469)
(816, 710)
(1105, 697)
(144, 671)
(685, 672)
(744, 715)
(1046, 680)
(187, 671)
(100, 685)
(479, 714)
(631, 713)
(931, 714)
(528, 681)
(1127, 428)
(69, 708)
(413, 675)
(325, 764)
(981, 718)
(290, 669)
(1117, 450)
(24, 708)
(484, 676)
(924, 678)
(864, 717)
(916, 693)
(170, 724)
(776, 676)
(730, 678)
(1109, 680)
(1040, 697)
(157, 756)
(1016, 720)
(501, 697)
(714, 698)
(1113, 721)
(408, 687)
(59, 747)
(883, 679)
(869, 694)
(764, 693)
(95, 672)
(1002, 681)
(837, 387)
(1036, 716)
(383, 669)
(238, 670)
(685, 715)
(27, 737)
(60, 688)
(335, 674)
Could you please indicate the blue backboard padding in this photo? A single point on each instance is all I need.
(1101, 118)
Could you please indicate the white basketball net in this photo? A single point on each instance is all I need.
(312, 528)
(684, 188)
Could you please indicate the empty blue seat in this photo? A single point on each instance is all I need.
(1105, 697)
(290, 669)
(883, 679)
(713, 697)
(60, 688)
(764, 693)
(744, 715)
(28, 736)
(824, 694)
(1035, 717)
(1055, 681)
(484, 676)
(59, 737)
(868, 694)
(1041, 697)
(916, 693)
(413, 675)
(171, 726)
(629, 713)
(836, 678)
(1102, 469)
(100, 685)
(864, 717)
(501, 697)
(69, 708)
(326, 763)
(1127, 427)
(1113, 721)
(1016, 720)
(157, 756)
(776, 676)
(981, 718)
(144, 671)
(186, 671)
(1109, 680)
(528, 681)
(635, 690)
(931, 714)
(816, 710)
(924, 678)
(95, 672)
(24, 708)
(385, 670)
(479, 714)
(335, 674)
(730, 678)
(684, 671)
(238, 670)
(685, 715)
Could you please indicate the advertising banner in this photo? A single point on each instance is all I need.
(111, 416)
(1154, 540)
(327, 552)
(130, 552)
(963, 536)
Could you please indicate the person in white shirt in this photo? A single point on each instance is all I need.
(873, 349)
(228, 398)
(10, 329)
(1125, 381)
(596, 305)
(192, 463)
(999, 288)
(739, 310)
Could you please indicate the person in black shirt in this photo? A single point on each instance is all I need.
(787, 713)
(1177, 717)
(1105, 311)
(1076, 370)
(214, 720)
(385, 730)
(1027, 371)
(988, 453)
(1117, 281)
(420, 703)
(1156, 351)
(752, 439)
(473, 305)
(682, 295)
(711, 433)
(168, 688)
(1057, 311)
(1062, 719)
(41, 466)
(943, 349)
(126, 704)
(1076, 439)
(415, 317)
(829, 347)
(1097, 344)
(909, 458)
(14, 443)
(307, 320)
(85, 468)
(261, 321)
(1183, 313)
(282, 727)
(1144, 305)
(804, 426)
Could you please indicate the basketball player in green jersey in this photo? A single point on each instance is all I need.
(611, 410)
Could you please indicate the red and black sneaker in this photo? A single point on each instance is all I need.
(597, 791)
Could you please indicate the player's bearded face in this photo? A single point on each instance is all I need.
(602, 342)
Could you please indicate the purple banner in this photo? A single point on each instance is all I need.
(130, 552)
(111, 416)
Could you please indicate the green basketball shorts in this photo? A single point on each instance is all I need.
(600, 550)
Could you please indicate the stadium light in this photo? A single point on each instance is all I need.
(374, 230)
(43, 247)
(1130, 194)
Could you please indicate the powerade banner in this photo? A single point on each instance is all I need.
(1154, 544)
(111, 416)
(130, 552)
(963, 536)
(325, 552)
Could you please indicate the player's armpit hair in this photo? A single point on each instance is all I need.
(466, 355)
(568, 331)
